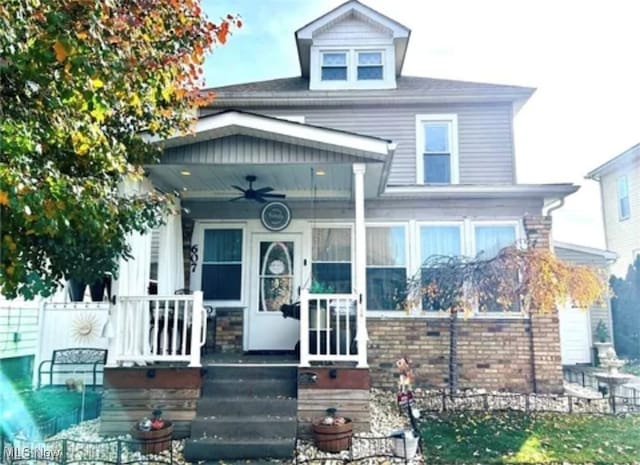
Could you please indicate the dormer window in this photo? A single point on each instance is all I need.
(370, 66)
(334, 66)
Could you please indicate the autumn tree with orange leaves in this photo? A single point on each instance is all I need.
(520, 278)
(80, 81)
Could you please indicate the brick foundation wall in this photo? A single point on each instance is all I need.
(229, 325)
(492, 354)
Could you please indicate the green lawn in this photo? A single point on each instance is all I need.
(513, 437)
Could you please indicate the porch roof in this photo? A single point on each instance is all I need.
(235, 122)
(227, 146)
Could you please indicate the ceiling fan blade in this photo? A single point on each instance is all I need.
(236, 198)
(274, 196)
(264, 190)
(238, 187)
(261, 199)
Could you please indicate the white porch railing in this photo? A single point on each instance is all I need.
(329, 328)
(158, 329)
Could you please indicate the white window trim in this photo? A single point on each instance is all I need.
(388, 80)
(453, 145)
(618, 198)
(196, 276)
(407, 258)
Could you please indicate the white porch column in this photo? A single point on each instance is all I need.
(360, 280)
(304, 328)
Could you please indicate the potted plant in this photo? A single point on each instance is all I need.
(603, 341)
(154, 434)
(332, 433)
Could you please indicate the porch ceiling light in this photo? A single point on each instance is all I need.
(320, 172)
(185, 173)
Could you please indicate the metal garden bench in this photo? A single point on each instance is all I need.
(85, 360)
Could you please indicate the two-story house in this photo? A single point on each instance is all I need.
(329, 189)
(619, 180)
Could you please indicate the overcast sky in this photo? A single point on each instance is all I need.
(582, 56)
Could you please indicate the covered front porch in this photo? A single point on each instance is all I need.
(251, 191)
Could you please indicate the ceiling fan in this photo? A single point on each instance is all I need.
(260, 195)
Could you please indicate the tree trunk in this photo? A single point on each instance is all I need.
(453, 352)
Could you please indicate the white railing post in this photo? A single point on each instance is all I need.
(304, 328)
(196, 328)
(360, 262)
(113, 333)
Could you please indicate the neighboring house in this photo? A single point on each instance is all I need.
(619, 180)
(578, 327)
(380, 171)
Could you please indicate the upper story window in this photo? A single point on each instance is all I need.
(437, 155)
(334, 66)
(624, 209)
(370, 66)
(352, 67)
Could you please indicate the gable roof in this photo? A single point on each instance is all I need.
(295, 90)
(234, 122)
(304, 35)
(628, 156)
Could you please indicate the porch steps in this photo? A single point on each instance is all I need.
(245, 412)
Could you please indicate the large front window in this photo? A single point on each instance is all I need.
(331, 260)
(490, 239)
(436, 243)
(386, 267)
(437, 154)
(222, 264)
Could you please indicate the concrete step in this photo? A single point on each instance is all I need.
(246, 406)
(258, 427)
(225, 388)
(238, 372)
(213, 449)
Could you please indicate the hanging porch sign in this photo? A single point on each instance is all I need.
(275, 216)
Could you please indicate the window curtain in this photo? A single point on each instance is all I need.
(133, 280)
(385, 246)
(491, 239)
(439, 240)
(170, 253)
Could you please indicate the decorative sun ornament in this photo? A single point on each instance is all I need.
(84, 328)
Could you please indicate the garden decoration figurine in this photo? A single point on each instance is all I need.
(405, 397)
(406, 378)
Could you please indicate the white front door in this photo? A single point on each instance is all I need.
(275, 280)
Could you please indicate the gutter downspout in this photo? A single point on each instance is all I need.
(560, 204)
